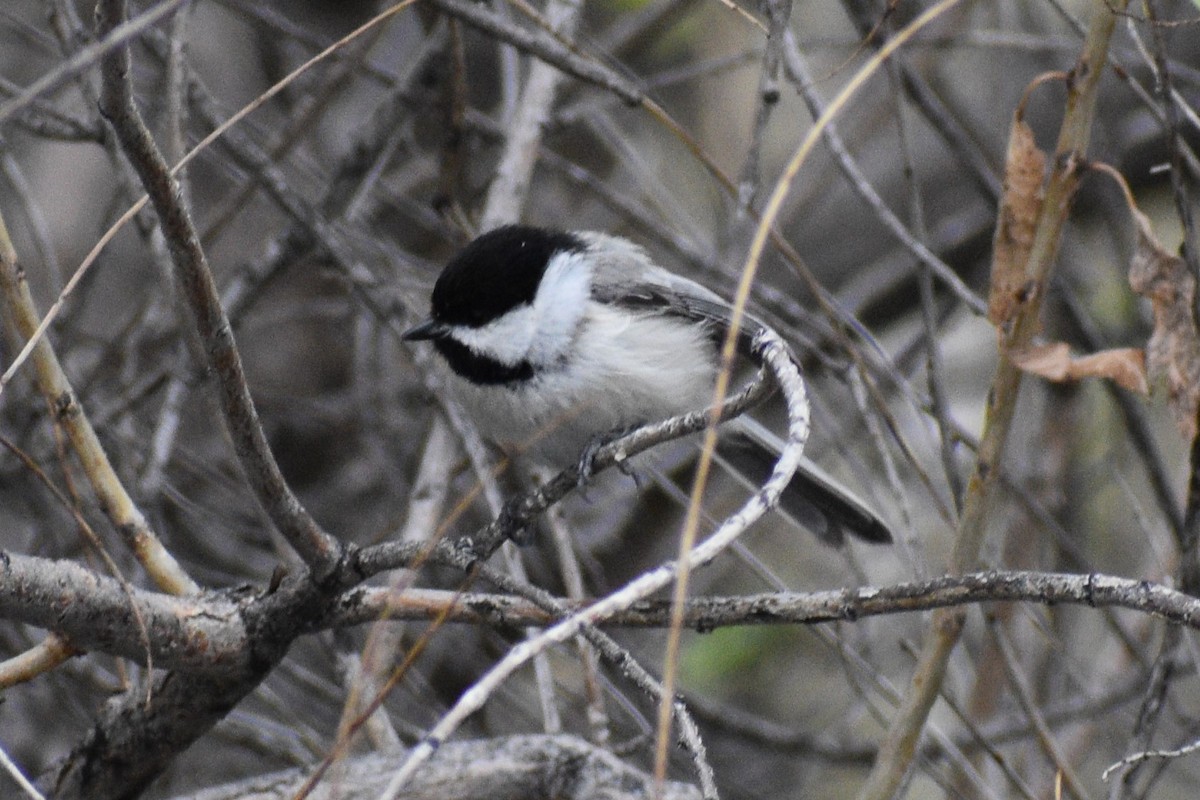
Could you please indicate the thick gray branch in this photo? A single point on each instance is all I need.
(138, 734)
(210, 633)
(93, 612)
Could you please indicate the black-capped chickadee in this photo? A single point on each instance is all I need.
(554, 338)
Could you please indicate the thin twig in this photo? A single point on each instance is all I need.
(546, 47)
(798, 71)
(1146, 755)
(18, 777)
(572, 576)
(523, 135)
(1025, 698)
(864, 15)
(116, 37)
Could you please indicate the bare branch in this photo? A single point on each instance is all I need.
(54, 385)
(200, 632)
(318, 549)
(545, 47)
(116, 38)
(513, 768)
(207, 633)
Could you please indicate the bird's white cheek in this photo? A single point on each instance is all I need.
(507, 339)
(562, 300)
(543, 332)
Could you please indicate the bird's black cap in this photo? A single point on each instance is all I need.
(495, 273)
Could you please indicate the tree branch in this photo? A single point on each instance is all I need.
(209, 633)
(318, 549)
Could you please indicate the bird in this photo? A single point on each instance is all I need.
(554, 338)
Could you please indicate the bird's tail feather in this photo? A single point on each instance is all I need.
(813, 499)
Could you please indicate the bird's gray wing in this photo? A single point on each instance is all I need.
(623, 275)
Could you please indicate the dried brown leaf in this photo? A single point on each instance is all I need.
(1173, 352)
(1024, 168)
(1126, 365)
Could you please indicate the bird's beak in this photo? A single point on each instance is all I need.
(429, 329)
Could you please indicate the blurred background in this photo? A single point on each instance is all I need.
(327, 213)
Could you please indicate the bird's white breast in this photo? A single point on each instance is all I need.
(622, 369)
